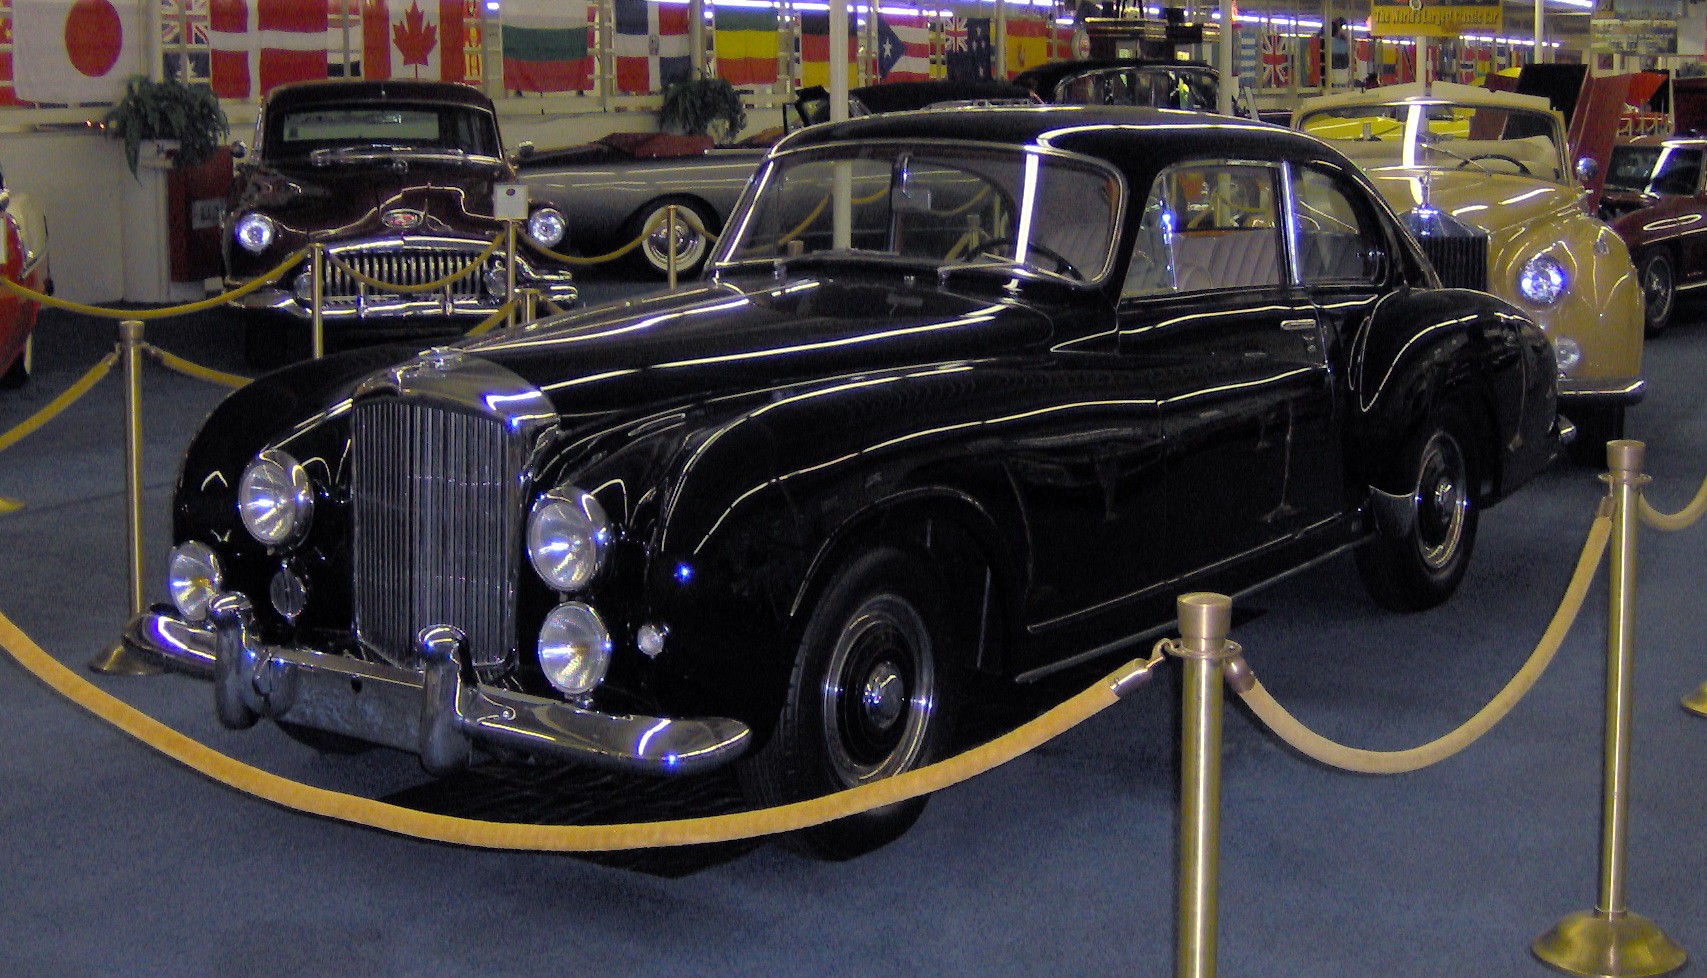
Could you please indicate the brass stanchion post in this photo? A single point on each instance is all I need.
(1610, 941)
(510, 271)
(117, 659)
(1203, 622)
(317, 298)
(530, 305)
(670, 237)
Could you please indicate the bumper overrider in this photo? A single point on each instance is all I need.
(436, 712)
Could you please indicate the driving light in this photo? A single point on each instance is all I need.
(1542, 280)
(547, 226)
(574, 648)
(275, 499)
(193, 577)
(254, 232)
(567, 538)
(1568, 353)
(496, 282)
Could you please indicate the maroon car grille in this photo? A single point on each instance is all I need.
(400, 266)
(436, 507)
(1462, 262)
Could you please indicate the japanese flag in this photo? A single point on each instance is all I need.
(413, 39)
(71, 51)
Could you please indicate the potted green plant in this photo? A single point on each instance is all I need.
(698, 105)
(168, 110)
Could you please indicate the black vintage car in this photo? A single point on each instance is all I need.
(967, 396)
(396, 178)
(1156, 82)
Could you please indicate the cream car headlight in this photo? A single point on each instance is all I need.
(574, 648)
(1542, 280)
(193, 577)
(254, 232)
(567, 538)
(1568, 353)
(547, 226)
(275, 498)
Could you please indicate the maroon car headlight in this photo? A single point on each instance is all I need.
(547, 226)
(254, 232)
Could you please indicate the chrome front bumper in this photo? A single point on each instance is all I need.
(1603, 390)
(436, 712)
(389, 307)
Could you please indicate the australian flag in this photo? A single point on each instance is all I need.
(969, 49)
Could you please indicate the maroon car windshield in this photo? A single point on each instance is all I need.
(1671, 170)
(399, 127)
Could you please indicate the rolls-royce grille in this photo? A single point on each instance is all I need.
(1462, 262)
(409, 266)
(436, 504)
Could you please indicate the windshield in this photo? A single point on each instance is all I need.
(1445, 136)
(430, 128)
(1159, 87)
(938, 206)
(1674, 170)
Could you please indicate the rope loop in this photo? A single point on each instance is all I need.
(53, 408)
(163, 312)
(172, 361)
(501, 314)
(1683, 519)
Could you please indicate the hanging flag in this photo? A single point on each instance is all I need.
(1408, 63)
(903, 47)
(547, 46)
(651, 45)
(1028, 43)
(403, 39)
(967, 48)
(1247, 64)
(7, 95)
(69, 53)
(815, 48)
(183, 23)
(745, 41)
(1276, 61)
(1364, 52)
(259, 45)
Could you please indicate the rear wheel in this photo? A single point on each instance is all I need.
(1421, 566)
(1658, 279)
(869, 698)
(692, 247)
(18, 373)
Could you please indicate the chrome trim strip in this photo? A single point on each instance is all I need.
(1620, 391)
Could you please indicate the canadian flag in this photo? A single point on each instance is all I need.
(259, 45)
(70, 52)
(413, 39)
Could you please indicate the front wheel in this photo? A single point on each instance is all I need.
(1421, 566)
(1658, 279)
(692, 247)
(869, 698)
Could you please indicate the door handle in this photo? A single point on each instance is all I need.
(1297, 324)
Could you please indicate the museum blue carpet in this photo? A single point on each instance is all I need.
(120, 863)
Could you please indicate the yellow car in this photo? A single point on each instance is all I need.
(1482, 179)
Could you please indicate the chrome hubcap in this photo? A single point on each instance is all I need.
(1443, 501)
(879, 691)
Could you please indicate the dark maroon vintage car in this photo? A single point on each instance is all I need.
(1655, 200)
(397, 179)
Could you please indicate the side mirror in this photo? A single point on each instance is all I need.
(525, 149)
(239, 150)
(1586, 169)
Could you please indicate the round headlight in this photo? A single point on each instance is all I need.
(1542, 280)
(254, 232)
(275, 498)
(567, 538)
(547, 226)
(1568, 353)
(574, 648)
(193, 576)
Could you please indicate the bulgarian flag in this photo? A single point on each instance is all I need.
(746, 45)
(546, 46)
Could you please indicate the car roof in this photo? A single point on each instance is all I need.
(334, 90)
(1045, 77)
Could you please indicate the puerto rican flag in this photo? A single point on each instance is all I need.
(650, 44)
(1276, 61)
(406, 39)
(259, 45)
(903, 48)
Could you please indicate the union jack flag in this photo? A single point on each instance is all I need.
(954, 34)
(1276, 61)
(183, 22)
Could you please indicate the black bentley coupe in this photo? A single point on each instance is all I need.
(965, 396)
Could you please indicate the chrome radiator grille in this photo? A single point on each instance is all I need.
(1462, 262)
(406, 266)
(436, 506)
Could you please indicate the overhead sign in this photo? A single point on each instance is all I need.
(1427, 18)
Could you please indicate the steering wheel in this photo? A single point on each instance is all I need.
(1062, 265)
(1497, 156)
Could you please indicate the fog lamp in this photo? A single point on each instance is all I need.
(1568, 353)
(193, 577)
(496, 282)
(289, 594)
(574, 648)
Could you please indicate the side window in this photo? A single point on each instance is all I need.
(1338, 239)
(1207, 226)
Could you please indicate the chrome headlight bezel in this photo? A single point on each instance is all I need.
(568, 537)
(547, 226)
(193, 577)
(574, 648)
(1543, 280)
(275, 500)
(254, 232)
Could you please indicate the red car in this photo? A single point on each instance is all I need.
(1654, 198)
(23, 259)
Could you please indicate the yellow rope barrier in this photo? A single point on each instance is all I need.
(1683, 519)
(164, 312)
(1306, 741)
(172, 361)
(499, 315)
(60, 403)
(651, 226)
(560, 838)
(9, 505)
(438, 283)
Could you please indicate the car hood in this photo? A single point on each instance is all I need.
(726, 338)
(1489, 203)
(339, 194)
